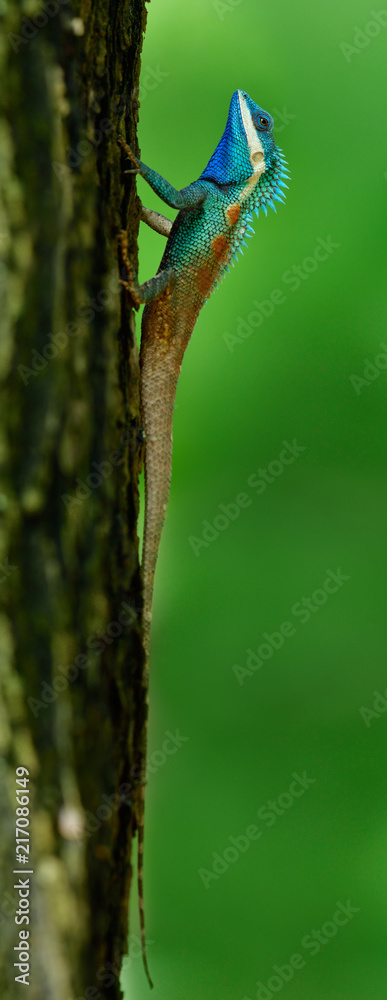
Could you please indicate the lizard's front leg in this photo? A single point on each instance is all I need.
(188, 197)
(156, 221)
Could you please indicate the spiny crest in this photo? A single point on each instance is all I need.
(271, 185)
(269, 189)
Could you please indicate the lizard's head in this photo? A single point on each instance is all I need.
(257, 126)
(247, 145)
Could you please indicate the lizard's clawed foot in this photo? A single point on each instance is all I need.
(131, 283)
(129, 153)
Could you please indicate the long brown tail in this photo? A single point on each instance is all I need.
(140, 883)
(160, 369)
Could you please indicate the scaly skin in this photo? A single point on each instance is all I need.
(245, 173)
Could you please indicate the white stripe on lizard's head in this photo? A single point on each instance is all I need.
(256, 150)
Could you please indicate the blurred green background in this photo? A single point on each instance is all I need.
(295, 377)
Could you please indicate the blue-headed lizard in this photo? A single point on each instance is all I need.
(247, 172)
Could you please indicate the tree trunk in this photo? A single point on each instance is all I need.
(72, 702)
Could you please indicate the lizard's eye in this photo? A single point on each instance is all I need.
(262, 122)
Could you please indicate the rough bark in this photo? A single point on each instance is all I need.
(69, 548)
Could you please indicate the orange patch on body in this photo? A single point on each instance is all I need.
(219, 245)
(205, 278)
(233, 213)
